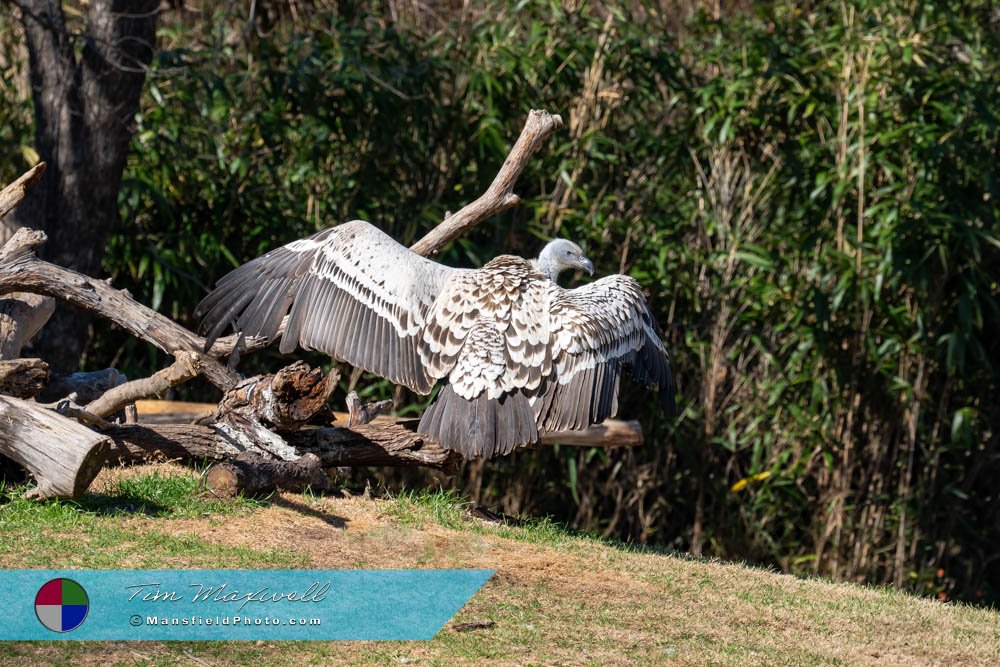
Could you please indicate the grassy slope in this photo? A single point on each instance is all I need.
(556, 598)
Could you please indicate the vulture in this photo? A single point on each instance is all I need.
(516, 354)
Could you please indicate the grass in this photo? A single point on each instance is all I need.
(557, 597)
(90, 533)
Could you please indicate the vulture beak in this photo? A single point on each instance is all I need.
(586, 265)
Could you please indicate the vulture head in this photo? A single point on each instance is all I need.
(560, 255)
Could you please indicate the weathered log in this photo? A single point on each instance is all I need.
(23, 378)
(610, 433)
(369, 445)
(253, 475)
(378, 444)
(22, 315)
(282, 401)
(81, 388)
(194, 443)
(62, 455)
(251, 413)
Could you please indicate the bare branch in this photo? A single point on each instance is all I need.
(500, 195)
(22, 315)
(186, 367)
(68, 408)
(22, 271)
(14, 194)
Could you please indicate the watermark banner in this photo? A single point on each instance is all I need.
(232, 604)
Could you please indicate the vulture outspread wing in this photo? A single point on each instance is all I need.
(597, 330)
(350, 291)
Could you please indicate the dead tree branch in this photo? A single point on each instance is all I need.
(22, 271)
(14, 194)
(21, 315)
(252, 474)
(186, 367)
(500, 195)
(371, 445)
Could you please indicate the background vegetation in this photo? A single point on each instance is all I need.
(808, 190)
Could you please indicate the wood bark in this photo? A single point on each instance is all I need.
(370, 445)
(254, 475)
(253, 412)
(21, 315)
(85, 88)
(23, 378)
(12, 195)
(62, 455)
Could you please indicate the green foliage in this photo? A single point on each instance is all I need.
(809, 195)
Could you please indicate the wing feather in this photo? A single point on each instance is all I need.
(597, 330)
(350, 291)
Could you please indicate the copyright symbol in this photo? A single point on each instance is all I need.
(135, 619)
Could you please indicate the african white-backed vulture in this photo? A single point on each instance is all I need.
(517, 353)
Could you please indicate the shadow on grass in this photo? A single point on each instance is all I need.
(304, 509)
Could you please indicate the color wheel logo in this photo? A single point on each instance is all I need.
(61, 605)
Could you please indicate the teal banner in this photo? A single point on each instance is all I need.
(233, 604)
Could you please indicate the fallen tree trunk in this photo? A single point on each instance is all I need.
(23, 378)
(252, 474)
(367, 445)
(62, 455)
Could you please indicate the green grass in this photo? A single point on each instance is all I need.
(559, 597)
(50, 533)
(419, 508)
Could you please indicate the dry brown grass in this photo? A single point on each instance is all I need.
(558, 600)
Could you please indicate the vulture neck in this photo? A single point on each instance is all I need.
(548, 266)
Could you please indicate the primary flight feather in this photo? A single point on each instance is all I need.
(518, 354)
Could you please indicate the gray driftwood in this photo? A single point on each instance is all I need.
(381, 444)
(21, 315)
(62, 455)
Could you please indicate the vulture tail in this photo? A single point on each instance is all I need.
(482, 426)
